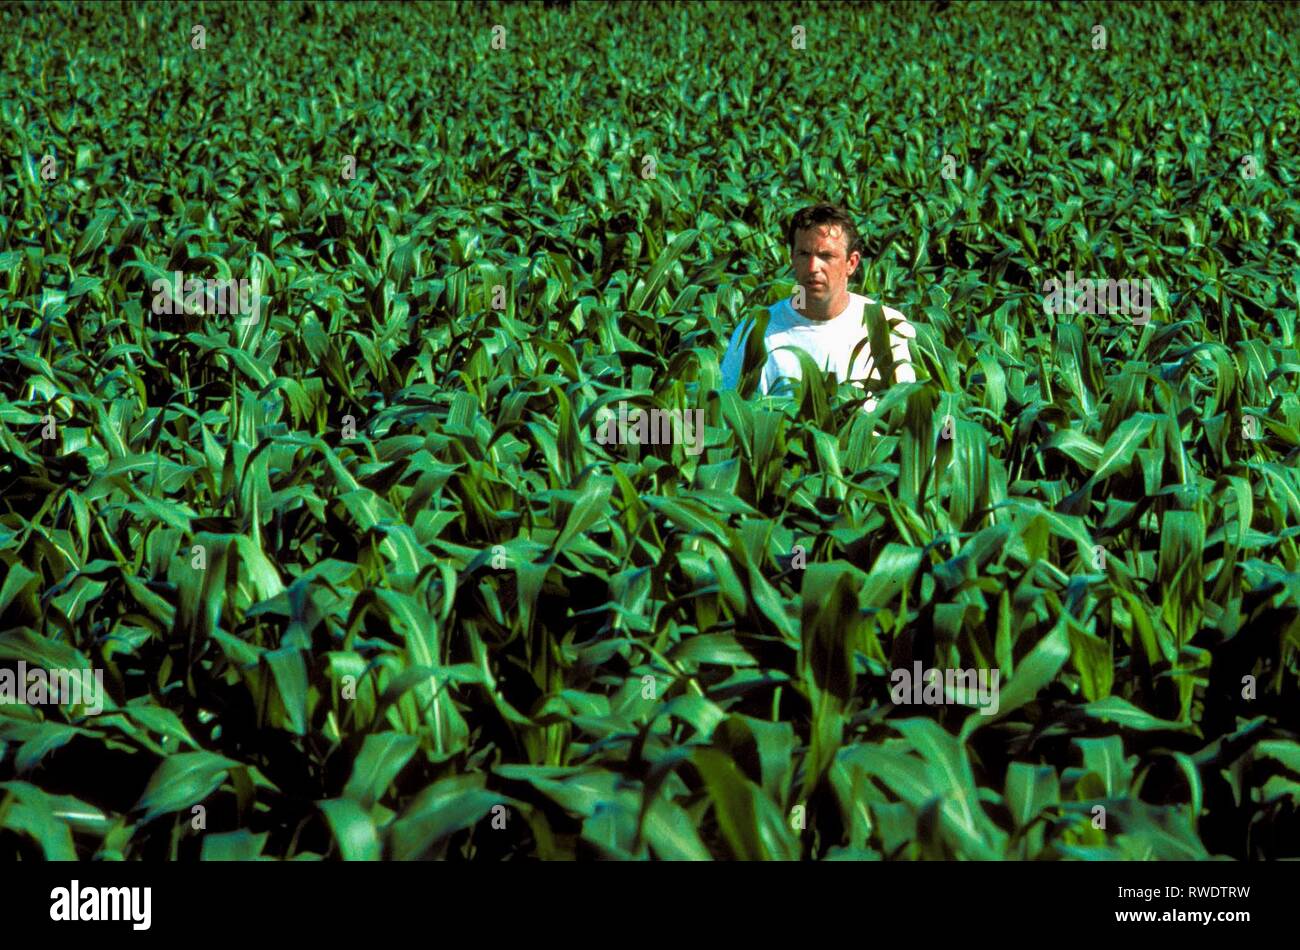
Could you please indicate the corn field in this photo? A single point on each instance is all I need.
(361, 580)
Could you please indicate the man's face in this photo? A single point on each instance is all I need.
(821, 265)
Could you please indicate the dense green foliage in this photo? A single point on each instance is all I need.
(358, 571)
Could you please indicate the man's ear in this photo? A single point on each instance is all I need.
(854, 259)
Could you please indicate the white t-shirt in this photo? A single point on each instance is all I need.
(829, 342)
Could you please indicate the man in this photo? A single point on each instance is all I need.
(825, 251)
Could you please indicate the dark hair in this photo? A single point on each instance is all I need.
(814, 215)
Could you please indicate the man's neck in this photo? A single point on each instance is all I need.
(829, 311)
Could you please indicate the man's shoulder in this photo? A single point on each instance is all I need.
(777, 322)
(896, 318)
(780, 308)
(780, 317)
